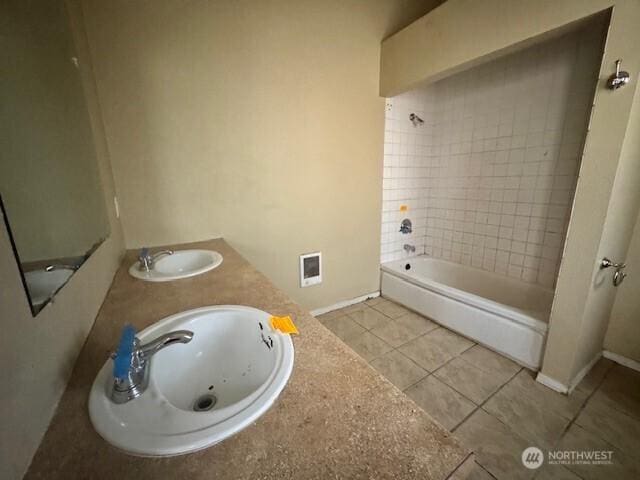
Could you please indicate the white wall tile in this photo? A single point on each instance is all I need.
(489, 177)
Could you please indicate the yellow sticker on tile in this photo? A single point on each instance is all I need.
(404, 208)
(284, 324)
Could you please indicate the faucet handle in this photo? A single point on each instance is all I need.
(145, 261)
(124, 354)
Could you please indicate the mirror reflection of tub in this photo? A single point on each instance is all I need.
(43, 284)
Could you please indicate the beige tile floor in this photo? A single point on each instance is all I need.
(493, 405)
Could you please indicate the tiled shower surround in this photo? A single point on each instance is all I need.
(489, 177)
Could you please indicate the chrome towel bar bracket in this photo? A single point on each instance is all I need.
(618, 275)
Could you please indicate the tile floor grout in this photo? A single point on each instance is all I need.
(488, 472)
(486, 400)
(575, 417)
(429, 373)
(470, 455)
(441, 366)
(524, 435)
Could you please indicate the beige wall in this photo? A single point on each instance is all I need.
(463, 33)
(428, 50)
(623, 333)
(37, 354)
(258, 121)
(618, 229)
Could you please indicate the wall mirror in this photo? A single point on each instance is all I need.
(50, 191)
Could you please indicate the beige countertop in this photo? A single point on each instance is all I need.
(336, 418)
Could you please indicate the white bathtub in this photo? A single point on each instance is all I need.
(504, 314)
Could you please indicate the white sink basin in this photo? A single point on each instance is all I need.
(182, 264)
(235, 357)
(43, 284)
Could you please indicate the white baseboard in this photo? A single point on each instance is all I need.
(562, 388)
(582, 373)
(344, 303)
(552, 384)
(624, 361)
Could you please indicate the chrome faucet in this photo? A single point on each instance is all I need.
(51, 268)
(131, 362)
(409, 248)
(146, 261)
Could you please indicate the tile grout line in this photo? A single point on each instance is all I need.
(369, 330)
(473, 344)
(477, 406)
(577, 414)
(486, 400)
(453, 358)
(462, 394)
(474, 410)
(394, 349)
(430, 373)
(441, 366)
(470, 455)
(615, 405)
(397, 349)
(488, 472)
(517, 433)
(372, 307)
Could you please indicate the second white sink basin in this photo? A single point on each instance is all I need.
(199, 392)
(181, 264)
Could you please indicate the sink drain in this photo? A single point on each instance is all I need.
(204, 403)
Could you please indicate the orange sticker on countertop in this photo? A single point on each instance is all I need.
(283, 324)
